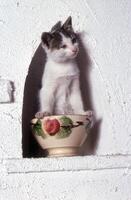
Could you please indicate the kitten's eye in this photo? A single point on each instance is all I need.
(63, 46)
(73, 40)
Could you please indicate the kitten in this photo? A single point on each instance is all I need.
(60, 92)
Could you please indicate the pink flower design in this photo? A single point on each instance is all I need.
(52, 126)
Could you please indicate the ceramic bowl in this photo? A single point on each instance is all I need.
(62, 135)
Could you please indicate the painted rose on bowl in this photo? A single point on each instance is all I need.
(51, 126)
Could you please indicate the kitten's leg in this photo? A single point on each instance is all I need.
(76, 98)
(46, 98)
(61, 98)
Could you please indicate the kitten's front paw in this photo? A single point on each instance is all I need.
(89, 113)
(90, 117)
(41, 115)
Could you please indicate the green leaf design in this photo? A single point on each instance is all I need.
(37, 129)
(64, 132)
(66, 125)
(88, 126)
(66, 121)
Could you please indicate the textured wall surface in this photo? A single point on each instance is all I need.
(106, 35)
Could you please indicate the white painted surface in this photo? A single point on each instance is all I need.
(78, 185)
(82, 178)
(107, 30)
(6, 91)
(84, 163)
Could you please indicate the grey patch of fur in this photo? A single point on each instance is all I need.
(53, 39)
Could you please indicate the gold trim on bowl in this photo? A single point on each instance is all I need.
(63, 151)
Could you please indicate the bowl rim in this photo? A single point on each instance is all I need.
(58, 115)
(90, 118)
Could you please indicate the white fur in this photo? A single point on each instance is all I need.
(60, 92)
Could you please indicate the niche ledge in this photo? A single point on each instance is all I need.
(105, 162)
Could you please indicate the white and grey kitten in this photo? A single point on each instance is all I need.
(60, 92)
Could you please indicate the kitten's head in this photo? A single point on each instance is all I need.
(61, 43)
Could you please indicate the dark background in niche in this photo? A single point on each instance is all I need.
(31, 102)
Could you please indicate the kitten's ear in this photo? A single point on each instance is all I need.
(68, 24)
(46, 38)
(56, 27)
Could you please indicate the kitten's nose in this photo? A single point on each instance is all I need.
(74, 51)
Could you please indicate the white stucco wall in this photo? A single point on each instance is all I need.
(106, 27)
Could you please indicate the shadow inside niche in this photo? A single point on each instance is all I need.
(84, 64)
(31, 104)
(13, 90)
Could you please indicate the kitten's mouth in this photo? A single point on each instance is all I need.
(74, 54)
